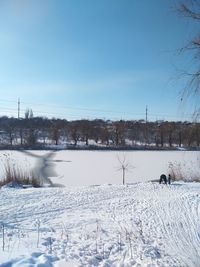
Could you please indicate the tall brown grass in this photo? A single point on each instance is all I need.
(14, 173)
(185, 171)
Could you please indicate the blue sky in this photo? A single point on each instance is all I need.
(92, 59)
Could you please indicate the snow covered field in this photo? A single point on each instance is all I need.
(145, 224)
(95, 221)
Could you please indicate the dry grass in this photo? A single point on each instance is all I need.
(187, 171)
(14, 173)
(175, 171)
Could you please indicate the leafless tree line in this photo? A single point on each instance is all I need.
(39, 132)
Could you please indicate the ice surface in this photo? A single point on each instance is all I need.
(75, 168)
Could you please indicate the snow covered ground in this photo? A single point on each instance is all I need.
(92, 220)
(143, 224)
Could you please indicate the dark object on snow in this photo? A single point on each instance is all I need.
(163, 178)
(169, 179)
(13, 185)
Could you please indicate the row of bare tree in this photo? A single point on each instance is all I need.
(38, 131)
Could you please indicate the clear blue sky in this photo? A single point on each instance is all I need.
(89, 58)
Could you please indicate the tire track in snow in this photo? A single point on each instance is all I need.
(169, 216)
(175, 225)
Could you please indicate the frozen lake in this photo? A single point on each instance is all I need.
(77, 168)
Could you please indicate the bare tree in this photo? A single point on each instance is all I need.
(56, 128)
(124, 166)
(85, 130)
(191, 10)
(28, 114)
(74, 132)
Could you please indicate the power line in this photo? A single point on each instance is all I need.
(73, 108)
(11, 111)
(80, 109)
(90, 109)
(99, 110)
(61, 114)
(106, 111)
(146, 114)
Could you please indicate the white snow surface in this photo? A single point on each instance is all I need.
(77, 168)
(141, 224)
(89, 219)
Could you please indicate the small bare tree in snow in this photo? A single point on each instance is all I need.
(124, 166)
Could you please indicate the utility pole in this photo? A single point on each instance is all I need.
(18, 103)
(146, 131)
(146, 114)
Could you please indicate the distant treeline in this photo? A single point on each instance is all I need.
(38, 132)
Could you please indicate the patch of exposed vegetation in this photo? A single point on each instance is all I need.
(19, 176)
(186, 171)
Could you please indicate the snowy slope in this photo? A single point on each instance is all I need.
(144, 224)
